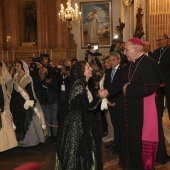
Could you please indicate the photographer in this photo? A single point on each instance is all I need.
(92, 58)
(34, 66)
(96, 64)
(47, 90)
(87, 53)
(46, 62)
(64, 85)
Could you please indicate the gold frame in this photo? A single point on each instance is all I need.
(104, 7)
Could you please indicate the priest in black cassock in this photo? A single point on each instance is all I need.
(162, 57)
(141, 82)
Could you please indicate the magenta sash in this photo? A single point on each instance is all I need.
(149, 133)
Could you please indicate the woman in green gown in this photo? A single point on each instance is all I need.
(78, 140)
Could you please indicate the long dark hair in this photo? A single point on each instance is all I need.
(21, 64)
(77, 71)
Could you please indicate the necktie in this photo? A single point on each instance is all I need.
(112, 74)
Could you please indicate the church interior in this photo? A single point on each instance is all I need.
(52, 37)
(26, 34)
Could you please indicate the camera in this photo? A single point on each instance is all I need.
(37, 59)
(89, 46)
(67, 68)
(96, 54)
(33, 65)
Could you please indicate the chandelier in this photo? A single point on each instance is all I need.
(127, 3)
(69, 15)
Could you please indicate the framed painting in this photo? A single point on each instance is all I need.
(96, 27)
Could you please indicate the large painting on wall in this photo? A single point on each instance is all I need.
(96, 27)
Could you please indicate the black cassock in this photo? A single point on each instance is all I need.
(162, 56)
(144, 78)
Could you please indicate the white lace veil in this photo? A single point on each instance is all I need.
(25, 66)
(7, 78)
(37, 109)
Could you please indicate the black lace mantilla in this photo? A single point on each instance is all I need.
(22, 118)
(78, 138)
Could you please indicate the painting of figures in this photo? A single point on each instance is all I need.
(96, 28)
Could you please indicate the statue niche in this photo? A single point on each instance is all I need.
(139, 32)
(30, 22)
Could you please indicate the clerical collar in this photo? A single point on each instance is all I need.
(146, 53)
(138, 58)
(162, 52)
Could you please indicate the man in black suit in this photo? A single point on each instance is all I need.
(161, 55)
(64, 86)
(113, 84)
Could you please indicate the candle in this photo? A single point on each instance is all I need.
(7, 56)
(13, 56)
(2, 55)
(51, 54)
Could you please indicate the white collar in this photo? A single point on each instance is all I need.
(116, 67)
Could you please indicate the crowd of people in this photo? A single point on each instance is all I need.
(80, 104)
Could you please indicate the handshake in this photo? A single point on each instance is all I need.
(103, 93)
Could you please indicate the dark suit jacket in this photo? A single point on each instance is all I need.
(114, 88)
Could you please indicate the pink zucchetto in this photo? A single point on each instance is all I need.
(136, 41)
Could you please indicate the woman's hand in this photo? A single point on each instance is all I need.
(103, 93)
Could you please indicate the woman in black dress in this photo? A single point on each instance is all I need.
(78, 142)
(26, 111)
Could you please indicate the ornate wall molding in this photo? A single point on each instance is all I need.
(52, 35)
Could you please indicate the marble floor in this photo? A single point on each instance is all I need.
(45, 154)
(110, 160)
